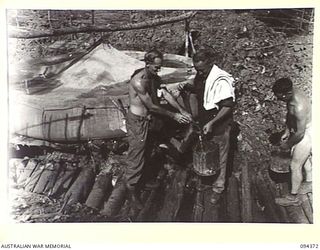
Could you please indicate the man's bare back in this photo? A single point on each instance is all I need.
(138, 82)
(299, 111)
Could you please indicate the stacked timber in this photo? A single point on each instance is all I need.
(181, 195)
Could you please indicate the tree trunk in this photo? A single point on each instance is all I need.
(90, 29)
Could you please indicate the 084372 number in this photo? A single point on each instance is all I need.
(309, 246)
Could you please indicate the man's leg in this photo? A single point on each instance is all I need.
(137, 137)
(306, 186)
(308, 168)
(224, 145)
(300, 155)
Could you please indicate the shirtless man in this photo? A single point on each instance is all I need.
(296, 137)
(144, 94)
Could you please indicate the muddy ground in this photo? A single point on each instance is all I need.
(255, 51)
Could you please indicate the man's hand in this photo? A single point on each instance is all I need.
(181, 118)
(188, 115)
(285, 136)
(207, 128)
(182, 85)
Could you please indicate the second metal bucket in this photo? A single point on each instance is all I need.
(206, 160)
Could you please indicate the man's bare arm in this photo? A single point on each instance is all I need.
(172, 101)
(141, 90)
(224, 111)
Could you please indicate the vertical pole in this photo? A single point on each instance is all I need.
(130, 16)
(92, 17)
(72, 36)
(49, 19)
(246, 206)
(16, 14)
(186, 37)
(301, 21)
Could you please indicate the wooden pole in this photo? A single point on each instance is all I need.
(267, 197)
(49, 18)
(92, 17)
(246, 204)
(29, 34)
(233, 201)
(187, 38)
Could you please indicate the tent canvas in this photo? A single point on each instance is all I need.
(76, 103)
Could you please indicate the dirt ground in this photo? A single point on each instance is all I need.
(255, 53)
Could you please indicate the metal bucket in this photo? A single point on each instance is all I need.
(206, 160)
(280, 162)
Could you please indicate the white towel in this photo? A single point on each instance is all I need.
(219, 86)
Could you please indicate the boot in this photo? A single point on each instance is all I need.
(134, 198)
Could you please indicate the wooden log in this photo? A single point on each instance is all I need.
(17, 167)
(306, 207)
(233, 200)
(280, 189)
(198, 208)
(297, 215)
(150, 200)
(173, 197)
(82, 186)
(147, 198)
(27, 34)
(101, 188)
(246, 197)
(67, 175)
(267, 198)
(203, 209)
(116, 199)
(32, 181)
(211, 212)
(25, 171)
(47, 178)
